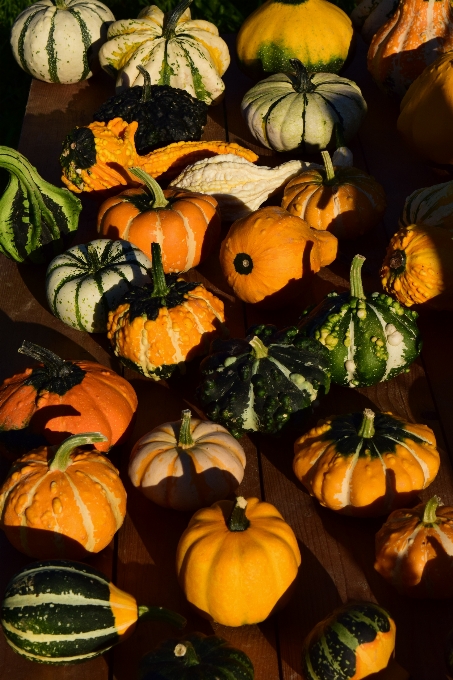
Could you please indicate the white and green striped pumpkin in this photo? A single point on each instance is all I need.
(57, 42)
(86, 281)
(173, 49)
(430, 207)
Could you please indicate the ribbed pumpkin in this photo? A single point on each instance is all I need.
(429, 207)
(414, 550)
(187, 465)
(269, 254)
(184, 223)
(58, 397)
(369, 15)
(237, 561)
(418, 267)
(366, 464)
(345, 201)
(62, 502)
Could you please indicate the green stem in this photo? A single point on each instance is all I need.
(339, 135)
(303, 78)
(187, 651)
(55, 365)
(174, 17)
(328, 166)
(93, 258)
(160, 288)
(429, 514)
(367, 430)
(161, 614)
(185, 440)
(260, 350)
(158, 199)
(60, 4)
(355, 277)
(61, 458)
(238, 520)
(146, 93)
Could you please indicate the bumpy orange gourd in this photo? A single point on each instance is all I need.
(237, 561)
(64, 502)
(266, 255)
(418, 267)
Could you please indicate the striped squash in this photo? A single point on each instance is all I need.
(86, 281)
(60, 612)
(58, 42)
(429, 207)
(369, 15)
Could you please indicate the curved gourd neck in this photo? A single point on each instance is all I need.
(367, 430)
(61, 458)
(355, 277)
(238, 521)
(174, 17)
(185, 440)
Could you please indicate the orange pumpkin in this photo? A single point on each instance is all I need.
(62, 502)
(186, 224)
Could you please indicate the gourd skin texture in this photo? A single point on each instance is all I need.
(369, 15)
(430, 207)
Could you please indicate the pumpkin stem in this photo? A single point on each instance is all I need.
(174, 17)
(93, 258)
(355, 277)
(146, 92)
(55, 365)
(186, 650)
(61, 457)
(185, 440)
(238, 520)
(429, 513)
(303, 82)
(259, 348)
(158, 199)
(367, 430)
(160, 288)
(328, 166)
(161, 614)
(60, 4)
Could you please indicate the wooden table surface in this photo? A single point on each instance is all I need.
(337, 552)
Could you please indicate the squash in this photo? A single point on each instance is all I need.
(286, 112)
(354, 642)
(265, 382)
(59, 43)
(57, 397)
(86, 281)
(187, 465)
(174, 49)
(237, 561)
(186, 224)
(268, 255)
(96, 614)
(157, 327)
(414, 550)
(345, 201)
(369, 15)
(371, 338)
(366, 464)
(314, 31)
(36, 217)
(429, 207)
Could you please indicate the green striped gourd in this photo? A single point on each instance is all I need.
(62, 612)
(58, 42)
(173, 49)
(371, 338)
(430, 207)
(87, 281)
(35, 216)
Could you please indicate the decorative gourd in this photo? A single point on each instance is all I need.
(429, 207)
(59, 43)
(269, 254)
(188, 464)
(237, 561)
(186, 224)
(57, 397)
(96, 614)
(418, 267)
(174, 49)
(354, 642)
(369, 15)
(263, 382)
(346, 201)
(286, 112)
(35, 216)
(158, 327)
(86, 281)
(314, 31)
(366, 464)
(414, 550)
(196, 656)
(417, 33)
(371, 338)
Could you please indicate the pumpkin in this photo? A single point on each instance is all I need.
(418, 267)
(414, 550)
(345, 201)
(157, 327)
(269, 254)
(174, 49)
(95, 613)
(429, 207)
(354, 642)
(371, 338)
(186, 224)
(369, 15)
(86, 281)
(366, 464)
(237, 561)
(314, 31)
(59, 43)
(416, 34)
(36, 217)
(187, 465)
(57, 397)
(286, 112)
(265, 382)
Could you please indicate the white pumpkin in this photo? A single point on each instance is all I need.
(173, 49)
(369, 15)
(86, 281)
(56, 43)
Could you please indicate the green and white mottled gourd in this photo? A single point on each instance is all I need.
(430, 207)
(369, 15)
(58, 42)
(286, 112)
(371, 338)
(87, 281)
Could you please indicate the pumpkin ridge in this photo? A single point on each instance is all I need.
(86, 39)
(113, 503)
(20, 45)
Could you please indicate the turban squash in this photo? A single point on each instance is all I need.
(429, 207)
